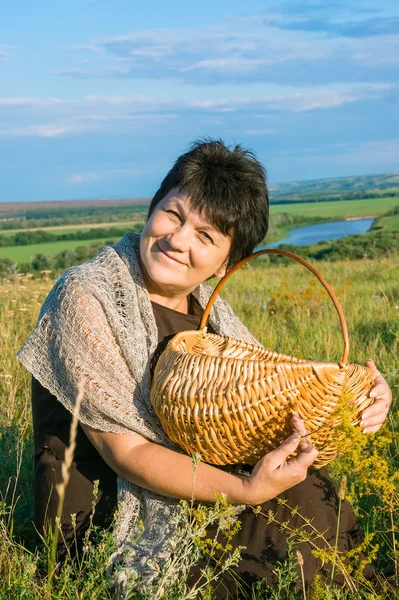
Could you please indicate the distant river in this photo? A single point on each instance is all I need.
(312, 234)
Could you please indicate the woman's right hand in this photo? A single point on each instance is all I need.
(275, 472)
(170, 473)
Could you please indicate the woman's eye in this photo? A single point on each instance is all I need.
(206, 236)
(173, 213)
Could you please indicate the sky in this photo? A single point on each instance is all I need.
(98, 98)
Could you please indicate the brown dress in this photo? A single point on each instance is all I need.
(265, 543)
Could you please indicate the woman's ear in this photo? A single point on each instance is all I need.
(222, 270)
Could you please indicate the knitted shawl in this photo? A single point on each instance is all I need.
(97, 323)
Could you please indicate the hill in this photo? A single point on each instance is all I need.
(337, 185)
(61, 212)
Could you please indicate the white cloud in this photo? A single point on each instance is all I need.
(233, 64)
(325, 100)
(375, 51)
(30, 102)
(374, 154)
(259, 131)
(54, 118)
(275, 46)
(50, 131)
(84, 177)
(42, 131)
(5, 52)
(102, 175)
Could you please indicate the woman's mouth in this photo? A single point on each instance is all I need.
(168, 256)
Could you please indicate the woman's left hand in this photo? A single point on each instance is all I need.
(374, 416)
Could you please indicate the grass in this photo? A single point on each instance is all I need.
(24, 254)
(69, 228)
(390, 223)
(339, 209)
(288, 311)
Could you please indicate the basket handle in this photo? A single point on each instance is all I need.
(344, 360)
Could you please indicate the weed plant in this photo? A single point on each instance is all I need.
(288, 311)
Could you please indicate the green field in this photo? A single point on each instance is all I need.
(337, 210)
(70, 229)
(340, 209)
(390, 223)
(23, 254)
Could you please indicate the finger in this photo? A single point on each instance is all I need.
(372, 429)
(304, 459)
(380, 389)
(298, 424)
(371, 365)
(376, 420)
(379, 407)
(305, 445)
(279, 455)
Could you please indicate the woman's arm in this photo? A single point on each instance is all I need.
(170, 473)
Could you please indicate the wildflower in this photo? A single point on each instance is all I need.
(45, 273)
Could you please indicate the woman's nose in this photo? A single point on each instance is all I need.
(179, 239)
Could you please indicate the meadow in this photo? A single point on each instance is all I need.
(342, 209)
(390, 223)
(287, 310)
(24, 254)
(282, 218)
(83, 227)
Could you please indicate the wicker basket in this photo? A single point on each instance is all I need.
(231, 401)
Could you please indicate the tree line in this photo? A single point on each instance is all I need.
(40, 236)
(332, 197)
(75, 216)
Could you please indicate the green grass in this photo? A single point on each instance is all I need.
(287, 310)
(23, 254)
(390, 223)
(71, 229)
(340, 209)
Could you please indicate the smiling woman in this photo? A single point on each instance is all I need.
(105, 323)
(179, 249)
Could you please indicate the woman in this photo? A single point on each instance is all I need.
(106, 322)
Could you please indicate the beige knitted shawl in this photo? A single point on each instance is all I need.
(97, 324)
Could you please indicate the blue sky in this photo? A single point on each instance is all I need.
(97, 98)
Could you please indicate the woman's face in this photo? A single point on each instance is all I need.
(179, 248)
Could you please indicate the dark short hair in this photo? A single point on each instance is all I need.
(228, 186)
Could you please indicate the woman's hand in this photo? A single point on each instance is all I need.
(275, 472)
(374, 416)
(170, 473)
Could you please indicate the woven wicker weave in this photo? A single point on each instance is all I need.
(231, 401)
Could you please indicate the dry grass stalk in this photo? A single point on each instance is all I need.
(300, 563)
(65, 471)
(341, 496)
